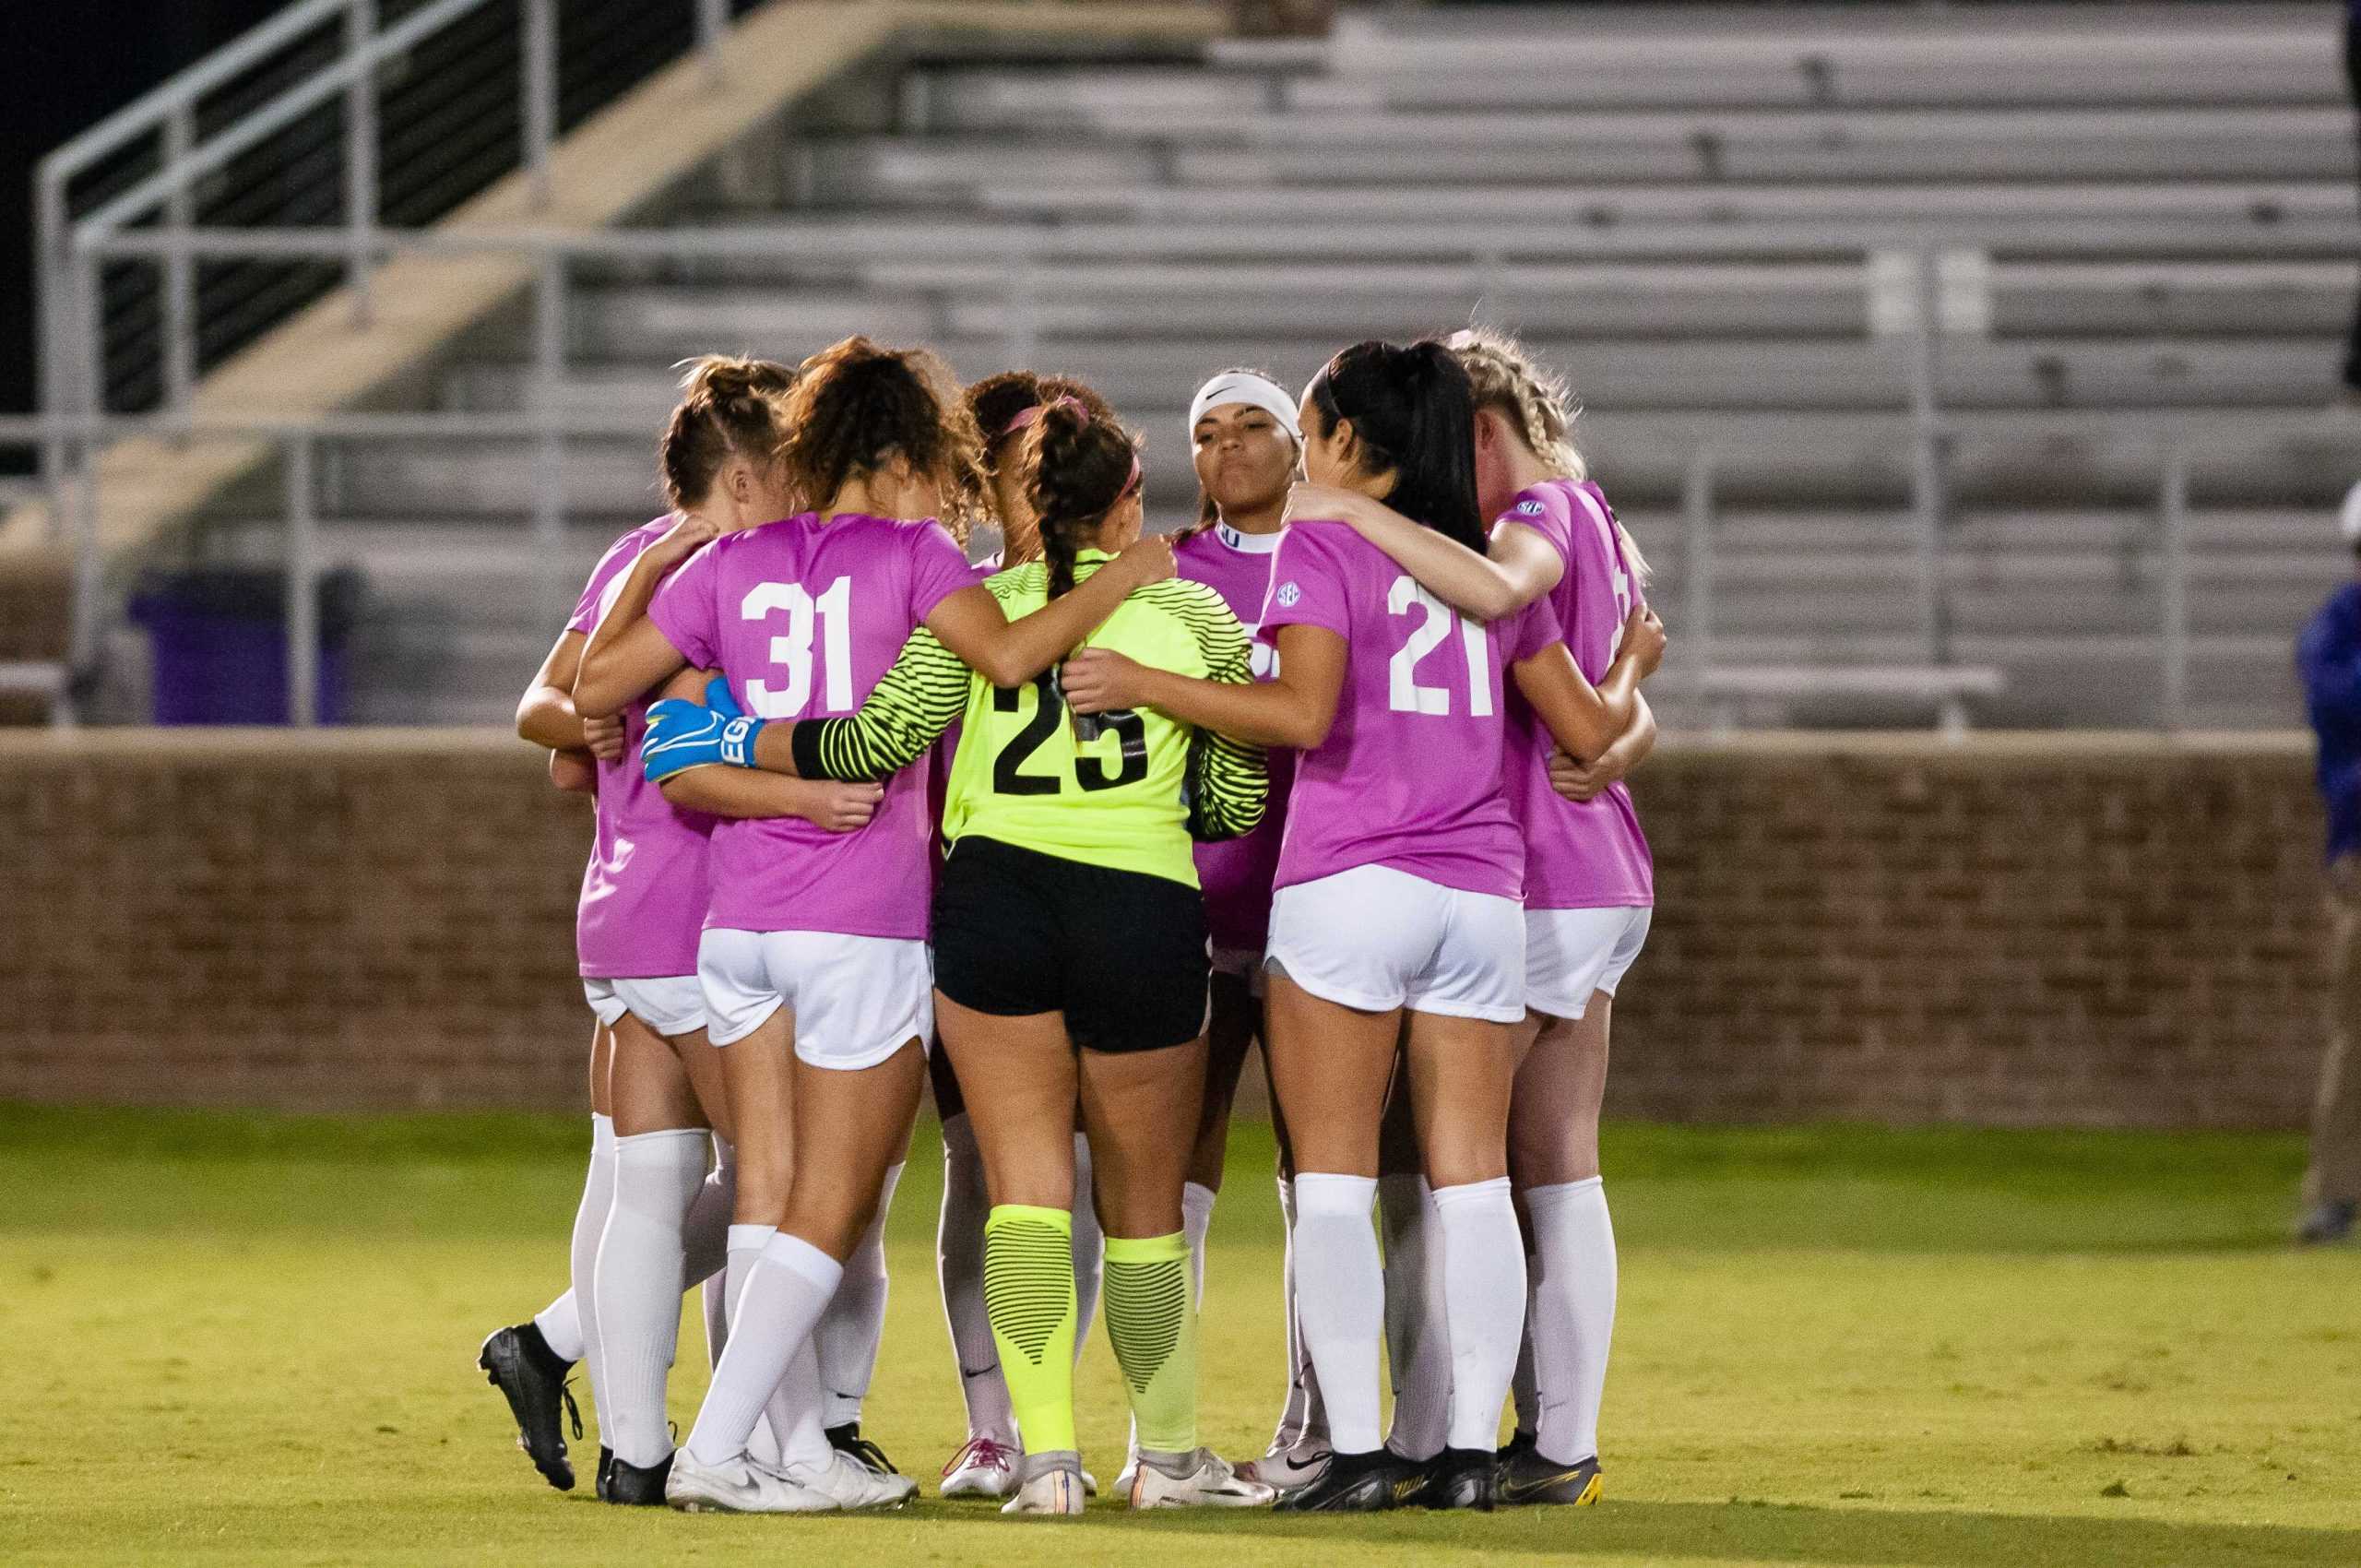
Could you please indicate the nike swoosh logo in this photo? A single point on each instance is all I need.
(979, 1372)
(1513, 1489)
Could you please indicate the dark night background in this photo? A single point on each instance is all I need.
(65, 68)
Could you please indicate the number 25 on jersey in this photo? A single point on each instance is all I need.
(1434, 624)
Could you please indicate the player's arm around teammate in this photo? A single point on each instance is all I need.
(1398, 891)
(1589, 882)
(1071, 967)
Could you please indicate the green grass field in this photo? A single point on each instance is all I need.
(250, 1339)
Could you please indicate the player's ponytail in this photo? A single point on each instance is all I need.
(730, 406)
(1510, 381)
(1078, 467)
(1413, 412)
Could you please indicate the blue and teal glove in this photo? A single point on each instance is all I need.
(681, 735)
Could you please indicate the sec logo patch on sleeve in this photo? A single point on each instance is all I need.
(1289, 595)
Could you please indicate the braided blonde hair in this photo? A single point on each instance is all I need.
(1512, 382)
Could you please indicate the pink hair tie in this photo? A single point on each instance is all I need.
(1027, 417)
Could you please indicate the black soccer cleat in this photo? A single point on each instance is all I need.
(847, 1438)
(606, 1469)
(636, 1486)
(519, 1363)
(1457, 1477)
(2327, 1223)
(1529, 1478)
(1356, 1483)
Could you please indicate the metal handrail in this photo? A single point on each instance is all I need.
(145, 115)
(73, 252)
(276, 115)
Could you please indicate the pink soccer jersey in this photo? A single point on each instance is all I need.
(804, 617)
(1237, 873)
(643, 892)
(1588, 854)
(1410, 775)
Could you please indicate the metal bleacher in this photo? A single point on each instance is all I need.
(2114, 447)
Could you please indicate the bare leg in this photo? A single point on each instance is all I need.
(1461, 1073)
(1330, 1067)
(1553, 1153)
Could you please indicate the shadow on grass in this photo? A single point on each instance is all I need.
(1797, 1533)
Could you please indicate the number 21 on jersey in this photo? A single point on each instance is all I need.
(831, 616)
(1435, 622)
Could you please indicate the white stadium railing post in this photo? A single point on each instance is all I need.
(360, 151)
(179, 267)
(2173, 519)
(303, 591)
(539, 111)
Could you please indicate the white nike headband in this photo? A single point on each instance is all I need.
(1245, 387)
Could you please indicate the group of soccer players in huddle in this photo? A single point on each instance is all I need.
(1338, 769)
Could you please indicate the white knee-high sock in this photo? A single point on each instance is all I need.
(1418, 1330)
(638, 1288)
(770, 1348)
(1302, 1419)
(1483, 1268)
(1196, 1223)
(746, 1245)
(849, 1335)
(1525, 1388)
(959, 1270)
(1573, 1311)
(560, 1326)
(1089, 1247)
(705, 1235)
(1341, 1288)
(569, 1325)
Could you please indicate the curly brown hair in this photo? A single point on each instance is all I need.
(1077, 468)
(730, 406)
(997, 400)
(857, 406)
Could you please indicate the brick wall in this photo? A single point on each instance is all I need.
(2040, 930)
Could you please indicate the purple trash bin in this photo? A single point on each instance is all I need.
(218, 637)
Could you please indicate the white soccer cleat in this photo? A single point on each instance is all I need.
(1052, 1488)
(1286, 1468)
(740, 1485)
(985, 1468)
(1211, 1484)
(849, 1484)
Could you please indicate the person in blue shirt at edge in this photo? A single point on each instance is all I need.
(2328, 658)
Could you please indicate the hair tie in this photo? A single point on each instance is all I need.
(1028, 417)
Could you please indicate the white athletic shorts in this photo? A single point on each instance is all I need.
(1569, 954)
(857, 999)
(1375, 938)
(671, 1005)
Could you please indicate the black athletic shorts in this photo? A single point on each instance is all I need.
(1122, 953)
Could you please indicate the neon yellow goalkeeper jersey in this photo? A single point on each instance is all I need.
(1126, 790)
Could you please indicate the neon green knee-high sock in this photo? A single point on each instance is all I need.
(1153, 1325)
(1028, 1295)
